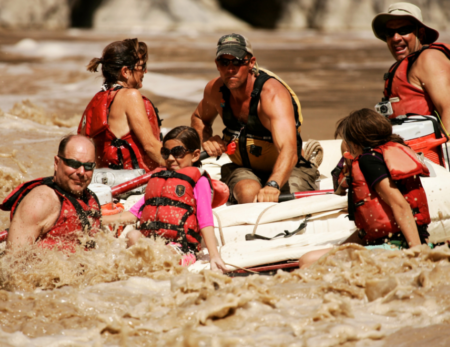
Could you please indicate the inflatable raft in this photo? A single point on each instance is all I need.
(268, 236)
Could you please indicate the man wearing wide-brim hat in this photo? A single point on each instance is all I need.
(419, 82)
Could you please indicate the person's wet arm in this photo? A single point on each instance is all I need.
(401, 209)
(211, 244)
(203, 118)
(35, 215)
(276, 106)
(122, 218)
(139, 124)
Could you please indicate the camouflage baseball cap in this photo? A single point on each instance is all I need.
(234, 44)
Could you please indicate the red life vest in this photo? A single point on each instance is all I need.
(170, 208)
(412, 100)
(76, 216)
(373, 217)
(126, 152)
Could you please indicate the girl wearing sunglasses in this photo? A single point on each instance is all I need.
(177, 201)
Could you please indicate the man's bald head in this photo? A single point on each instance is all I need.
(74, 149)
(78, 138)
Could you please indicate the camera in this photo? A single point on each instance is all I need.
(384, 108)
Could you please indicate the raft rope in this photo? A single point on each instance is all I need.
(259, 218)
(222, 238)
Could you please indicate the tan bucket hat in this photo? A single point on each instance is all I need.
(408, 11)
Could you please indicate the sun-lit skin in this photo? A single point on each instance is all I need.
(234, 77)
(134, 78)
(127, 113)
(175, 164)
(402, 46)
(73, 180)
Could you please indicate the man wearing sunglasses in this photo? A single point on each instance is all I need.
(263, 116)
(419, 82)
(56, 211)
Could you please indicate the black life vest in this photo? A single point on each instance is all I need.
(254, 128)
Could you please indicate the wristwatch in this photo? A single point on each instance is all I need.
(273, 184)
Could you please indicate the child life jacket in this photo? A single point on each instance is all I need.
(77, 215)
(404, 97)
(126, 152)
(373, 217)
(170, 208)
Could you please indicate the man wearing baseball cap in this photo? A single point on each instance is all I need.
(419, 82)
(263, 116)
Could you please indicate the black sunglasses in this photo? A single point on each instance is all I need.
(177, 152)
(236, 62)
(75, 164)
(404, 30)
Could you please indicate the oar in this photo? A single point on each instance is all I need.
(141, 180)
(299, 195)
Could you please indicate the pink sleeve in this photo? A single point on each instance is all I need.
(137, 206)
(202, 193)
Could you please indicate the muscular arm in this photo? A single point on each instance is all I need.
(36, 214)
(432, 73)
(390, 194)
(203, 118)
(277, 114)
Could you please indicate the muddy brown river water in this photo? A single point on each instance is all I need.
(112, 296)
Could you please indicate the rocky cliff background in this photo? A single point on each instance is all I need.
(138, 15)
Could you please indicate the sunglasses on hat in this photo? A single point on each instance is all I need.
(404, 30)
(177, 152)
(236, 62)
(75, 164)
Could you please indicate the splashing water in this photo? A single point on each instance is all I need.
(141, 296)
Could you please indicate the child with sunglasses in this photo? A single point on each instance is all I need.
(177, 201)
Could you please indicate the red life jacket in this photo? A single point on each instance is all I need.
(373, 217)
(126, 152)
(412, 100)
(76, 216)
(170, 208)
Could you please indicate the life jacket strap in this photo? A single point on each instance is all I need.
(118, 143)
(82, 214)
(165, 174)
(167, 202)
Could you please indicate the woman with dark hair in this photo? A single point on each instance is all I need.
(124, 125)
(177, 205)
(386, 198)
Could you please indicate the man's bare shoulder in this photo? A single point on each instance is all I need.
(213, 87)
(432, 58)
(273, 88)
(42, 200)
(212, 94)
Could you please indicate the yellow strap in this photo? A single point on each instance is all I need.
(443, 127)
(294, 96)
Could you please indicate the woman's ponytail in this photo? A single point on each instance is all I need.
(93, 64)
